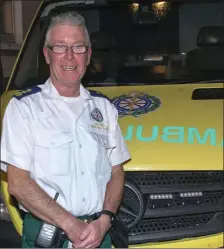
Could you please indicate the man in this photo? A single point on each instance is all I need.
(59, 138)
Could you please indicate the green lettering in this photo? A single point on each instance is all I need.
(155, 132)
(193, 134)
(173, 134)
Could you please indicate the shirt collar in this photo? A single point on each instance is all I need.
(49, 91)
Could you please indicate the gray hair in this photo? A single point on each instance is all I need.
(72, 18)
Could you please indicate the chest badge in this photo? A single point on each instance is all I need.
(97, 115)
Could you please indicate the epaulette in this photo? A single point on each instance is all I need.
(26, 92)
(98, 94)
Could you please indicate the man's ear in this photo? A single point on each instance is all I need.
(89, 56)
(46, 55)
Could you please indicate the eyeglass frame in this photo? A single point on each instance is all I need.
(67, 47)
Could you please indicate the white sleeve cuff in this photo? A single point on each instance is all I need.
(3, 166)
(119, 158)
(8, 158)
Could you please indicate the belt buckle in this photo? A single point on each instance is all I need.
(87, 221)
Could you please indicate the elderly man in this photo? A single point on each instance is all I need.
(60, 138)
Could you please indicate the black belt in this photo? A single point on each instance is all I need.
(86, 218)
(89, 218)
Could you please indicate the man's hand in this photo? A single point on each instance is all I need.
(94, 233)
(74, 229)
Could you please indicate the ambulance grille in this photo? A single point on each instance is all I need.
(146, 179)
(174, 223)
(173, 205)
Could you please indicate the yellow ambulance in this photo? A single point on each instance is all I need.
(162, 65)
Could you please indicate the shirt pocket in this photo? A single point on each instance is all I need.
(100, 142)
(53, 150)
(105, 143)
(105, 140)
(104, 137)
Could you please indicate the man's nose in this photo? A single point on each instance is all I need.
(69, 53)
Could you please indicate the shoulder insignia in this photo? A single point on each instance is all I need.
(26, 92)
(98, 94)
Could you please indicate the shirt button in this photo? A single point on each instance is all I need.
(82, 173)
(83, 199)
(80, 146)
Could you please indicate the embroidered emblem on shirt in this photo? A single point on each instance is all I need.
(97, 115)
(101, 127)
(136, 104)
(26, 92)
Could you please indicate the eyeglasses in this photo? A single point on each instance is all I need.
(60, 49)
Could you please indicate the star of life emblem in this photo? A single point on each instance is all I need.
(97, 115)
(136, 104)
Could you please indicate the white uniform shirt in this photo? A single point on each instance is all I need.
(66, 151)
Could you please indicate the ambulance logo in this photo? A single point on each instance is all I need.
(136, 104)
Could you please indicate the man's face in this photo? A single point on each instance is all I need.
(67, 68)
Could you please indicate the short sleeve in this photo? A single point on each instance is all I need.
(16, 143)
(119, 153)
